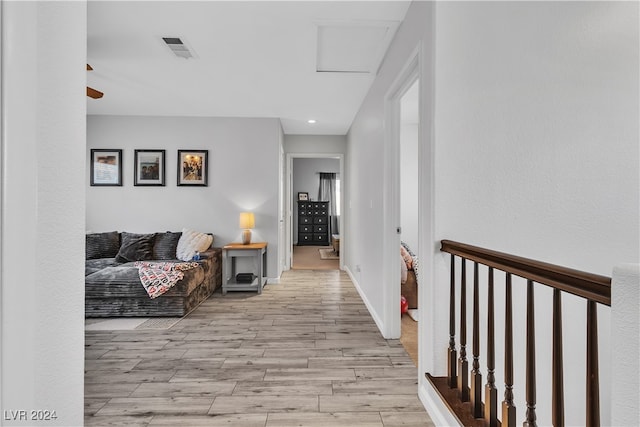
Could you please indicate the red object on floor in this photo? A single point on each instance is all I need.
(404, 305)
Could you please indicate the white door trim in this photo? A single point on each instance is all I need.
(288, 202)
(391, 212)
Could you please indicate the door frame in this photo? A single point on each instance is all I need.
(409, 74)
(289, 203)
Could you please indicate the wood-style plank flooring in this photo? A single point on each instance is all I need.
(304, 353)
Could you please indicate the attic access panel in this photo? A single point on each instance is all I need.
(352, 47)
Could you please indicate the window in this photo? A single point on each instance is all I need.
(338, 196)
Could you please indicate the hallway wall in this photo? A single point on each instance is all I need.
(546, 164)
(533, 131)
(43, 201)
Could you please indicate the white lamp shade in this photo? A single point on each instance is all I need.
(247, 220)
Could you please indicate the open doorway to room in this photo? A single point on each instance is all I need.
(404, 206)
(409, 208)
(315, 183)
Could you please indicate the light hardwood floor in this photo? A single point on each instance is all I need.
(304, 353)
(308, 258)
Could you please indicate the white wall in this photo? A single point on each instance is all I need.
(306, 174)
(43, 161)
(535, 135)
(366, 173)
(306, 178)
(315, 144)
(243, 175)
(550, 170)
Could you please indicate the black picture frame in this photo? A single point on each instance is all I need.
(193, 168)
(149, 168)
(106, 167)
(303, 196)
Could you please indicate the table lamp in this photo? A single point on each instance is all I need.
(247, 222)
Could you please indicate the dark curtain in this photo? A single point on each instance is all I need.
(327, 192)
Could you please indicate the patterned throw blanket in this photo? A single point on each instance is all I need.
(158, 277)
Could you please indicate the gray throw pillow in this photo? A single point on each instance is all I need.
(136, 247)
(102, 245)
(165, 245)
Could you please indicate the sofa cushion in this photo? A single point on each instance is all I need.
(165, 245)
(190, 242)
(102, 245)
(93, 265)
(123, 281)
(136, 247)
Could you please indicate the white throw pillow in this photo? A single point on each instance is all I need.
(190, 242)
(403, 271)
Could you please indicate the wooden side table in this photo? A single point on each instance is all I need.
(232, 251)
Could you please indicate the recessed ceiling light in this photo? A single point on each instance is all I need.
(311, 121)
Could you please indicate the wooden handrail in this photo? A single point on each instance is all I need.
(587, 285)
(467, 403)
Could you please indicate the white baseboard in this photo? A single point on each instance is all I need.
(435, 407)
(374, 315)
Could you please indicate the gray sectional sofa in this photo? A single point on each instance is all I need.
(112, 283)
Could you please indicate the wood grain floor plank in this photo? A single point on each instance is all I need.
(304, 374)
(111, 364)
(406, 419)
(349, 362)
(269, 404)
(370, 402)
(344, 419)
(116, 421)
(381, 387)
(218, 374)
(226, 420)
(156, 405)
(283, 388)
(193, 388)
(102, 390)
(265, 362)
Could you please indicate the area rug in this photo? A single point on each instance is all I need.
(159, 323)
(328, 254)
(130, 323)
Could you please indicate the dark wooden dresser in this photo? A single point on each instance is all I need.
(313, 223)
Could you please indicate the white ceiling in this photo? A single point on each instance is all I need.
(252, 59)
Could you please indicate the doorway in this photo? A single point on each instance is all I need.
(314, 246)
(406, 200)
(409, 196)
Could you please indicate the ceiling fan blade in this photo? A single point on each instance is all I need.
(95, 94)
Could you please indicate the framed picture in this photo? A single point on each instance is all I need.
(192, 167)
(106, 167)
(303, 196)
(148, 167)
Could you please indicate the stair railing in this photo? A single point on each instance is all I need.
(466, 401)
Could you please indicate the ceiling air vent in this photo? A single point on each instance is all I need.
(178, 47)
